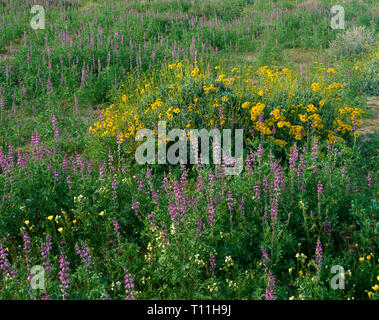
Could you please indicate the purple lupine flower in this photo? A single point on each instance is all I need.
(211, 213)
(249, 162)
(278, 179)
(76, 110)
(5, 265)
(20, 160)
(155, 197)
(116, 228)
(293, 157)
(140, 185)
(265, 184)
(211, 177)
(315, 150)
(69, 182)
(55, 126)
(242, 206)
(151, 218)
(85, 255)
(114, 188)
(259, 153)
(320, 187)
(129, 286)
(102, 169)
(230, 201)
(274, 213)
(256, 189)
(183, 178)
(27, 242)
(166, 183)
(100, 114)
(64, 164)
(45, 250)
(173, 212)
(56, 174)
(36, 141)
(354, 125)
(118, 139)
(301, 168)
(2, 103)
(199, 224)
(135, 207)
(148, 175)
(180, 199)
(271, 288)
(369, 180)
(64, 275)
(164, 234)
(110, 161)
(318, 252)
(212, 263)
(90, 166)
(265, 258)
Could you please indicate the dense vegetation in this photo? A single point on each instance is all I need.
(75, 201)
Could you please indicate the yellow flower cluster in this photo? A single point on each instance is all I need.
(257, 110)
(275, 102)
(113, 124)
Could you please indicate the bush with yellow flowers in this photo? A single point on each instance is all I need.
(273, 103)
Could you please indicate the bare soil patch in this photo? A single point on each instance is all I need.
(371, 124)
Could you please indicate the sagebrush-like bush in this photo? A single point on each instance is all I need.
(353, 41)
(370, 81)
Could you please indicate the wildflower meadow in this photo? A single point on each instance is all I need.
(85, 90)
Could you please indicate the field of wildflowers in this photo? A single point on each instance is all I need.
(299, 222)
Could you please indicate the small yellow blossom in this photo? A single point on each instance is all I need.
(315, 86)
(60, 229)
(245, 105)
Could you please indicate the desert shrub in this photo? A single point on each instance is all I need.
(370, 81)
(353, 41)
(269, 102)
